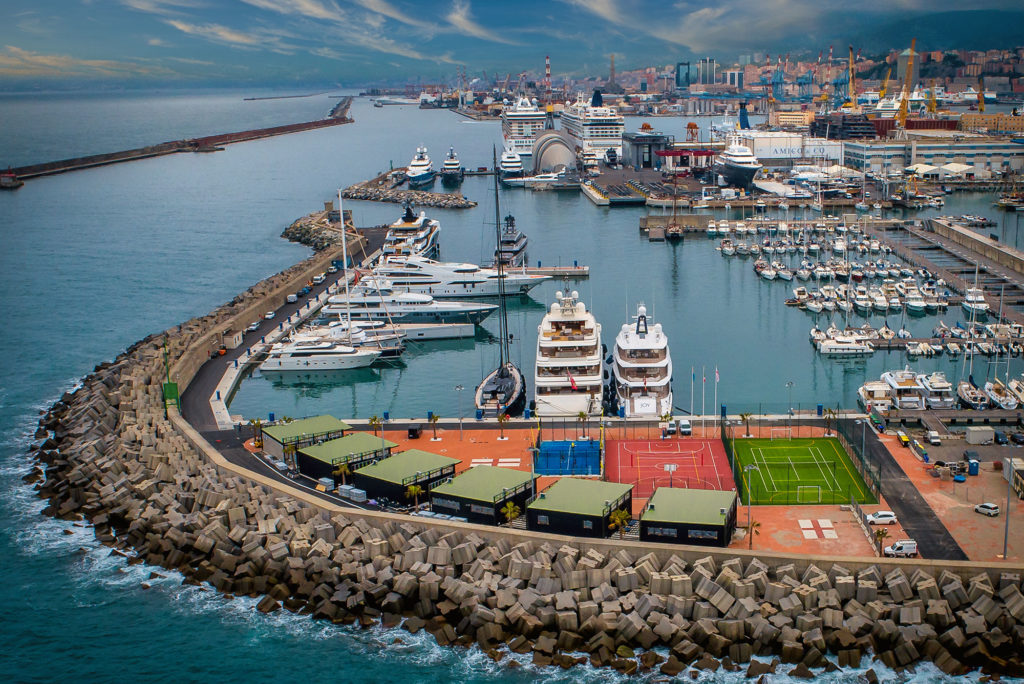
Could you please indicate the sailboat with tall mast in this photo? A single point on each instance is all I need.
(503, 390)
(971, 396)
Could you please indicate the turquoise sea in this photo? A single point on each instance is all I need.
(95, 260)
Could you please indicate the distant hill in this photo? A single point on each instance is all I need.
(964, 30)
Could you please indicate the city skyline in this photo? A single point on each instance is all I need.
(362, 41)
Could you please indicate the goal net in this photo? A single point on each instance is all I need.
(808, 494)
(781, 433)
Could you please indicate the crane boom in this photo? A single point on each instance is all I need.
(933, 104)
(981, 94)
(885, 84)
(905, 101)
(852, 85)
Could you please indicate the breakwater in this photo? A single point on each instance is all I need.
(382, 189)
(339, 115)
(153, 488)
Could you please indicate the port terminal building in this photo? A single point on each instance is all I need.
(291, 436)
(986, 156)
(391, 477)
(480, 493)
(782, 149)
(689, 516)
(578, 507)
(355, 450)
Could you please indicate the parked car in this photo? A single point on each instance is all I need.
(332, 269)
(1017, 437)
(269, 315)
(1000, 437)
(881, 518)
(305, 291)
(253, 327)
(292, 298)
(685, 428)
(904, 548)
(989, 509)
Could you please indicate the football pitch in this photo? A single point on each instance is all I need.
(798, 471)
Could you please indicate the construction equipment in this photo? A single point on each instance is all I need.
(851, 87)
(504, 86)
(933, 104)
(981, 94)
(901, 117)
(885, 84)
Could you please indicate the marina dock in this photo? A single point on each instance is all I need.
(571, 272)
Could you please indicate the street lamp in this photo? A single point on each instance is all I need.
(747, 468)
(1009, 488)
(533, 479)
(459, 388)
(789, 386)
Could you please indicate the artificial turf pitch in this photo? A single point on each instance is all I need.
(798, 471)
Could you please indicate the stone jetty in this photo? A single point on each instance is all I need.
(152, 488)
(314, 230)
(381, 189)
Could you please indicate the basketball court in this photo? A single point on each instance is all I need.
(684, 463)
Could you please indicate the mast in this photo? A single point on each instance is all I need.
(503, 351)
(344, 268)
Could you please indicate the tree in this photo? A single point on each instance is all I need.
(753, 528)
(502, 419)
(413, 492)
(830, 415)
(375, 422)
(433, 423)
(582, 416)
(342, 471)
(745, 417)
(881, 534)
(257, 432)
(510, 511)
(619, 520)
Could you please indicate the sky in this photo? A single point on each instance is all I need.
(355, 42)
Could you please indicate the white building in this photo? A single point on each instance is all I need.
(780, 149)
(986, 156)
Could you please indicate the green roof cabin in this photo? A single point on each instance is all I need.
(390, 477)
(356, 449)
(479, 494)
(300, 433)
(580, 508)
(703, 517)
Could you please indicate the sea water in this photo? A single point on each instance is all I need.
(94, 260)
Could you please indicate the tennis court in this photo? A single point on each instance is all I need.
(798, 471)
(649, 464)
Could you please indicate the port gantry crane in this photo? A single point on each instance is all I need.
(851, 87)
(901, 116)
(885, 84)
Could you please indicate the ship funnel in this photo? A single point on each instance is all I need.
(597, 100)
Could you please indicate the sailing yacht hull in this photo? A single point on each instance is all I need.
(499, 394)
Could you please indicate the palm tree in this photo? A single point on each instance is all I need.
(375, 422)
(830, 415)
(342, 471)
(745, 417)
(413, 492)
(510, 511)
(619, 520)
(582, 416)
(502, 419)
(433, 424)
(257, 432)
(753, 528)
(881, 534)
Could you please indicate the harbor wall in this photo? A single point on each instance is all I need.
(986, 247)
(154, 488)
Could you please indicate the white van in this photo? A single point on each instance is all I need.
(291, 299)
(319, 278)
(904, 548)
(933, 438)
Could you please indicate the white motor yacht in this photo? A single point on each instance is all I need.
(412, 235)
(845, 345)
(452, 171)
(568, 367)
(445, 280)
(905, 389)
(375, 299)
(938, 391)
(873, 395)
(974, 302)
(642, 368)
(317, 354)
(420, 171)
(737, 164)
(511, 164)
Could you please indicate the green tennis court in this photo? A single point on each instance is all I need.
(798, 471)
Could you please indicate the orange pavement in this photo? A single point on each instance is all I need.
(780, 531)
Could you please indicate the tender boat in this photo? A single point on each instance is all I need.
(568, 366)
(642, 369)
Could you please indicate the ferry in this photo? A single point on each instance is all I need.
(593, 127)
(642, 369)
(317, 354)
(568, 367)
(520, 124)
(452, 279)
(412, 235)
(420, 172)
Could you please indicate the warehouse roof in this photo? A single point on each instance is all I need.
(484, 483)
(583, 497)
(338, 450)
(698, 506)
(317, 425)
(406, 464)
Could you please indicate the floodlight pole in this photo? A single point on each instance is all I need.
(459, 388)
(747, 468)
(1009, 488)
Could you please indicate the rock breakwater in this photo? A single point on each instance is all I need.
(110, 455)
(382, 189)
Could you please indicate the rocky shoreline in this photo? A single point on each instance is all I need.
(110, 455)
(313, 230)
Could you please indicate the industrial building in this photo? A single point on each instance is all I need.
(300, 433)
(985, 156)
(640, 149)
(479, 494)
(581, 508)
(356, 449)
(391, 477)
(689, 516)
(781, 150)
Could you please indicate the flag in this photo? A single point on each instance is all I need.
(571, 380)
(705, 379)
(693, 373)
(716, 374)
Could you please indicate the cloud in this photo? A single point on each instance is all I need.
(16, 62)
(189, 60)
(460, 18)
(157, 42)
(217, 33)
(391, 12)
(606, 9)
(312, 9)
(164, 8)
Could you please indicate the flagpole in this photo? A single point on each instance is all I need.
(703, 384)
(693, 379)
(714, 406)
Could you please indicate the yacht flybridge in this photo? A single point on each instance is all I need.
(568, 369)
(642, 368)
(451, 279)
(412, 235)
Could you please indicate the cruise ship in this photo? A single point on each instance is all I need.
(642, 368)
(594, 127)
(317, 354)
(452, 171)
(375, 299)
(737, 165)
(568, 370)
(420, 171)
(511, 164)
(451, 279)
(520, 124)
(412, 235)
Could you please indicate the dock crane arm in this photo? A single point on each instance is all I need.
(981, 94)
(904, 103)
(885, 84)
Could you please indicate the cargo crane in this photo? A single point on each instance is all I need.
(901, 116)
(885, 84)
(933, 104)
(851, 87)
(804, 83)
(981, 94)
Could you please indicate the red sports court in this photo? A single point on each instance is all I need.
(649, 464)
